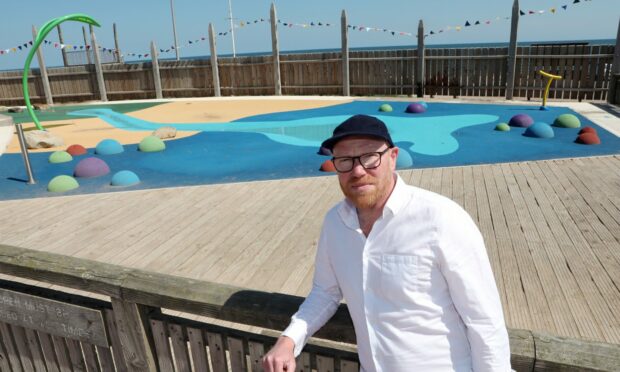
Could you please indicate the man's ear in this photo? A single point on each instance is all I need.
(394, 155)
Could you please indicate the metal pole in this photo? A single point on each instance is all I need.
(232, 27)
(214, 68)
(22, 145)
(420, 67)
(174, 30)
(612, 95)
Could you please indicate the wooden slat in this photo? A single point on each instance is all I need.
(35, 350)
(105, 359)
(256, 352)
(75, 355)
(4, 356)
(302, 364)
(324, 364)
(216, 352)
(349, 366)
(49, 354)
(117, 348)
(162, 346)
(90, 357)
(9, 345)
(23, 350)
(198, 349)
(179, 348)
(62, 354)
(236, 354)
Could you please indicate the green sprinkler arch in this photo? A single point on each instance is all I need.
(47, 27)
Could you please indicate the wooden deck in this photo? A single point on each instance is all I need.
(552, 230)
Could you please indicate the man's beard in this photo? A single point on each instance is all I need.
(366, 199)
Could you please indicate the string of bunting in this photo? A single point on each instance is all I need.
(243, 24)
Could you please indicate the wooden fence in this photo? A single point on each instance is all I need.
(47, 330)
(465, 72)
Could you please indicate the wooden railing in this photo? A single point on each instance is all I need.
(43, 329)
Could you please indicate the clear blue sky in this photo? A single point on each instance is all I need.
(140, 21)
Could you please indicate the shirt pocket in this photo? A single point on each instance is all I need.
(400, 274)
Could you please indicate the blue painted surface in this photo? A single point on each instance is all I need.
(271, 147)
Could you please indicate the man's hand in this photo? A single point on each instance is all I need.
(281, 357)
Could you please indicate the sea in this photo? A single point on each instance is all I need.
(390, 47)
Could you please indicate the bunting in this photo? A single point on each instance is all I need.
(287, 24)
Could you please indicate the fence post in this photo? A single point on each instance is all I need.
(156, 76)
(45, 79)
(62, 50)
(98, 70)
(214, 69)
(344, 28)
(119, 57)
(512, 51)
(135, 335)
(420, 68)
(276, 51)
(615, 70)
(90, 62)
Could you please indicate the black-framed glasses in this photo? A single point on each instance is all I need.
(370, 160)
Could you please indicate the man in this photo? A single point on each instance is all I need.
(411, 265)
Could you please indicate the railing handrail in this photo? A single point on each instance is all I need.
(262, 309)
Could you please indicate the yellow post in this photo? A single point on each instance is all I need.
(550, 77)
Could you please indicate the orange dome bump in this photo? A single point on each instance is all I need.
(588, 138)
(587, 130)
(327, 166)
(76, 150)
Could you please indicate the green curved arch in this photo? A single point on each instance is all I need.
(45, 29)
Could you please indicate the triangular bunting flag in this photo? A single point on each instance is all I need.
(575, 2)
(552, 10)
(564, 7)
(521, 12)
(432, 32)
(467, 24)
(477, 23)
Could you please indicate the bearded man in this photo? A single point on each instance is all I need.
(411, 265)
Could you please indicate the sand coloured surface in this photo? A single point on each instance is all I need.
(89, 131)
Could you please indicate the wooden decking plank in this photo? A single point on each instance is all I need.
(577, 304)
(458, 186)
(597, 246)
(214, 258)
(199, 216)
(565, 322)
(595, 284)
(485, 224)
(469, 192)
(259, 250)
(518, 308)
(100, 225)
(297, 246)
(539, 308)
(247, 247)
(588, 208)
(137, 226)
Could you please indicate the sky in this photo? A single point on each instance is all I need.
(141, 21)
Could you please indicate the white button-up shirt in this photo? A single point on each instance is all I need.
(419, 288)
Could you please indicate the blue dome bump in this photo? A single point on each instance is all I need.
(125, 178)
(108, 147)
(539, 130)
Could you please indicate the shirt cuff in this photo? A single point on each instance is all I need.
(298, 332)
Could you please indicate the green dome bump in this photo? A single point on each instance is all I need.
(567, 121)
(60, 157)
(502, 127)
(385, 108)
(62, 183)
(151, 144)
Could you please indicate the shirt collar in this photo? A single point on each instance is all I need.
(397, 200)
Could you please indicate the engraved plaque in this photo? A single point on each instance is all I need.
(53, 317)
